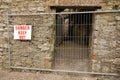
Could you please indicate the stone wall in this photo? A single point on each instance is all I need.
(106, 39)
(117, 56)
(77, 2)
(104, 43)
(37, 52)
(3, 40)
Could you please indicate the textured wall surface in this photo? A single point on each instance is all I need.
(38, 52)
(32, 53)
(106, 39)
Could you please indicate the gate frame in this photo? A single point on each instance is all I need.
(52, 70)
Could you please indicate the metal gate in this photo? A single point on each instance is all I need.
(61, 42)
(73, 41)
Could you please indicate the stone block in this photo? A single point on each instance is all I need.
(117, 18)
(117, 61)
(28, 62)
(118, 28)
(47, 62)
(7, 1)
(106, 69)
(40, 9)
(2, 25)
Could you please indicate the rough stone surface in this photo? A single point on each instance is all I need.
(38, 53)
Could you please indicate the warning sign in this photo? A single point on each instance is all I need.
(22, 32)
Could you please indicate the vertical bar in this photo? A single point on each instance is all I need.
(83, 28)
(85, 36)
(70, 33)
(79, 53)
(7, 24)
(84, 15)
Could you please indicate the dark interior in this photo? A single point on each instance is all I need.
(73, 39)
(77, 22)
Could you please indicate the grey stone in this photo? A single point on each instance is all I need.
(41, 9)
(105, 69)
(7, 1)
(117, 61)
(32, 8)
(117, 18)
(45, 48)
(96, 67)
(118, 27)
(5, 45)
(2, 25)
(5, 34)
(1, 30)
(1, 49)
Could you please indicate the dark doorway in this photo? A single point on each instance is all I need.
(73, 39)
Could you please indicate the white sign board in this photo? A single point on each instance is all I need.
(22, 32)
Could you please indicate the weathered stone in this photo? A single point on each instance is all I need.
(2, 25)
(7, 1)
(44, 47)
(1, 49)
(47, 62)
(5, 45)
(117, 18)
(15, 10)
(5, 34)
(113, 44)
(96, 67)
(41, 9)
(37, 52)
(117, 61)
(1, 30)
(105, 69)
(32, 8)
(118, 28)
(28, 62)
(18, 63)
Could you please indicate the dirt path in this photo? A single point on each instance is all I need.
(5, 75)
(72, 56)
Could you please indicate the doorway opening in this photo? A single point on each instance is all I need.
(73, 39)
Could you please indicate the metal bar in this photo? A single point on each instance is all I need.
(64, 51)
(107, 11)
(65, 71)
(7, 24)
